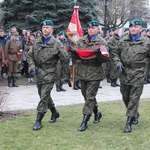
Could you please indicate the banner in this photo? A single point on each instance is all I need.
(74, 31)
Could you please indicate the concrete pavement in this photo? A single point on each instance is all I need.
(26, 97)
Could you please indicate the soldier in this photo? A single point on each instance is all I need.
(59, 73)
(12, 48)
(143, 32)
(126, 31)
(113, 41)
(42, 58)
(108, 63)
(90, 70)
(131, 58)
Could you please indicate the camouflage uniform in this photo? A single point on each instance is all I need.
(90, 73)
(112, 42)
(44, 57)
(134, 57)
(59, 72)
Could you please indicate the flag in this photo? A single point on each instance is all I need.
(74, 31)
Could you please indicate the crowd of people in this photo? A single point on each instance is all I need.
(55, 60)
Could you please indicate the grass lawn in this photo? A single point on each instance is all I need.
(17, 134)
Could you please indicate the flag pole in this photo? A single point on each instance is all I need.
(73, 66)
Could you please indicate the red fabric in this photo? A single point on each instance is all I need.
(74, 31)
(85, 53)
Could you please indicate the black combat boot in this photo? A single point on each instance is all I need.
(75, 86)
(108, 79)
(69, 83)
(83, 125)
(97, 115)
(61, 87)
(54, 116)
(128, 127)
(135, 119)
(148, 79)
(115, 80)
(57, 88)
(9, 82)
(113, 83)
(14, 82)
(78, 84)
(38, 125)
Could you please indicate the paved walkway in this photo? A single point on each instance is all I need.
(26, 97)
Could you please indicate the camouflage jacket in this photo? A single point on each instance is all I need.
(44, 58)
(134, 56)
(90, 69)
(112, 42)
(11, 49)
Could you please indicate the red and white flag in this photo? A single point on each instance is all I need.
(74, 31)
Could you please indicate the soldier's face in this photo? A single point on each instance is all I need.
(93, 30)
(15, 37)
(134, 30)
(47, 30)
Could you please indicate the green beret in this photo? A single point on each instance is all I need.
(114, 28)
(93, 23)
(111, 29)
(15, 33)
(47, 23)
(60, 33)
(126, 29)
(135, 22)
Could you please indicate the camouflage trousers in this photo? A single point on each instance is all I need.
(131, 97)
(46, 102)
(113, 71)
(89, 91)
(108, 68)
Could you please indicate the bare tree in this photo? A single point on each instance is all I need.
(119, 12)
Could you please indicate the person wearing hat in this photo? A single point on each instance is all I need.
(131, 57)
(12, 48)
(126, 31)
(108, 63)
(112, 42)
(89, 50)
(42, 58)
(60, 78)
(143, 32)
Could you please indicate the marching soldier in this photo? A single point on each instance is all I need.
(59, 73)
(131, 57)
(108, 63)
(89, 51)
(113, 41)
(43, 58)
(12, 48)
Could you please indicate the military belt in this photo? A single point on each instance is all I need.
(134, 65)
(90, 63)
